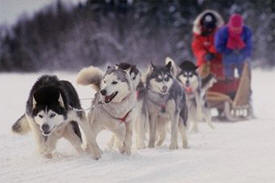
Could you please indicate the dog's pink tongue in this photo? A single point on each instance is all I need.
(188, 89)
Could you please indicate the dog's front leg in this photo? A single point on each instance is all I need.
(208, 118)
(90, 133)
(42, 148)
(140, 131)
(152, 130)
(73, 138)
(174, 131)
(182, 130)
(128, 138)
(199, 106)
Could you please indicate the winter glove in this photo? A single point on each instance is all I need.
(209, 56)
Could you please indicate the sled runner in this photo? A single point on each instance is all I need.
(232, 97)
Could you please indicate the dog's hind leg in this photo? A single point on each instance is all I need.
(21, 126)
(182, 131)
(111, 143)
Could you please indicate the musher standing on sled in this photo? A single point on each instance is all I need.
(234, 42)
(208, 59)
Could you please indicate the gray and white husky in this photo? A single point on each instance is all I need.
(114, 105)
(50, 115)
(141, 122)
(195, 89)
(164, 99)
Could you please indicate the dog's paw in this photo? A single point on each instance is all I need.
(125, 150)
(185, 144)
(141, 146)
(48, 155)
(173, 146)
(211, 126)
(96, 155)
(151, 145)
(194, 129)
(160, 143)
(94, 152)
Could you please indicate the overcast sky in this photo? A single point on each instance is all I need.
(10, 10)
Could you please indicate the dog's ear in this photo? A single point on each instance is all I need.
(197, 69)
(60, 101)
(151, 68)
(149, 71)
(169, 65)
(173, 68)
(33, 103)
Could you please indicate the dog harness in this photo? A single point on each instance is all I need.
(161, 105)
(123, 119)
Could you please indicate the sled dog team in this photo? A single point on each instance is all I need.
(127, 100)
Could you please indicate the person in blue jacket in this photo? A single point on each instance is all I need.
(234, 42)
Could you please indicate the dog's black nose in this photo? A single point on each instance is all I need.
(103, 92)
(45, 127)
(187, 83)
(164, 88)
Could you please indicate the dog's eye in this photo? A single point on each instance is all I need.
(104, 81)
(40, 116)
(114, 82)
(166, 79)
(52, 115)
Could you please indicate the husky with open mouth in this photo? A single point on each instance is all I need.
(165, 102)
(113, 107)
(195, 89)
(50, 115)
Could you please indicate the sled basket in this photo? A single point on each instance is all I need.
(232, 97)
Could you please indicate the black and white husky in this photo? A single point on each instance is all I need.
(164, 100)
(195, 89)
(53, 111)
(114, 105)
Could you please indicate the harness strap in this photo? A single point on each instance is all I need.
(123, 119)
(162, 106)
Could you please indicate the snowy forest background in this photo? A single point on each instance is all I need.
(97, 32)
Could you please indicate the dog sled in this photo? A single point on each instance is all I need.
(231, 98)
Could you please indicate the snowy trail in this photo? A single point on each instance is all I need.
(234, 152)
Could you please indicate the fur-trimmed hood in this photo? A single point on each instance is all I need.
(197, 26)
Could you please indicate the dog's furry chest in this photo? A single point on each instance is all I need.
(113, 114)
(162, 108)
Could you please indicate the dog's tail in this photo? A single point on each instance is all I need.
(90, 76)
(21, 126)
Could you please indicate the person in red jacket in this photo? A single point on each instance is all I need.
(208, 59)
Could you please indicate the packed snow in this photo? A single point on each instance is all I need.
(237, 152)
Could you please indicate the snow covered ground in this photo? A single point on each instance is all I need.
(232, 153)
